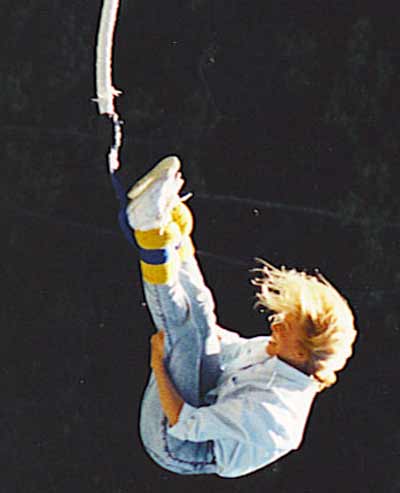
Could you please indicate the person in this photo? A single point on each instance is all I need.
(216, 402)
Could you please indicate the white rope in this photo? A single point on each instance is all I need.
(105, 91)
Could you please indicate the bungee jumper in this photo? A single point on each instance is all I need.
(216, 402)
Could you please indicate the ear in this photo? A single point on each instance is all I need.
(276, 326)
(280, 328)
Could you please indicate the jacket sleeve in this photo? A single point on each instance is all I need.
(247, 435)
(251, 419)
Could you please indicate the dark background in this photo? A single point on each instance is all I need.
(292, 104)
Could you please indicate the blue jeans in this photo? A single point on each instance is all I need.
(184, 309)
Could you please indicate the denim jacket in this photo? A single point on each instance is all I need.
(259, 412)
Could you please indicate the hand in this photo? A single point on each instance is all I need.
(157, 349)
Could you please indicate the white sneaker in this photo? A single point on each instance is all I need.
(155, 195)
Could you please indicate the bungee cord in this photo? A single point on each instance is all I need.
(105, 91)
(105, 99)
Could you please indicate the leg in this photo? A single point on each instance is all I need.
(178, 300)
(191, 350)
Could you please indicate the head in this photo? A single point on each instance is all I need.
(312, 324)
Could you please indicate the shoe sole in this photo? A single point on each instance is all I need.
(165, 167)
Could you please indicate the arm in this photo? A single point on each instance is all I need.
(247, 435)
(171, 401)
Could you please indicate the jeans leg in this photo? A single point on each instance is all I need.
(191, 278)
(184, 309)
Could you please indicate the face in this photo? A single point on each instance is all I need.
(285, 343)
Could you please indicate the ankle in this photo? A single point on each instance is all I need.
(159, 253)
(157, 238)
(182, 216)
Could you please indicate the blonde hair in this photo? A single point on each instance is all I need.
(324, 316)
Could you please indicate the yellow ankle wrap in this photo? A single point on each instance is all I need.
(182, 216)
(172, 243)
(159, 274)
(156, 238)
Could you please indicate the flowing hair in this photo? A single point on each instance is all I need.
(324, 316)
